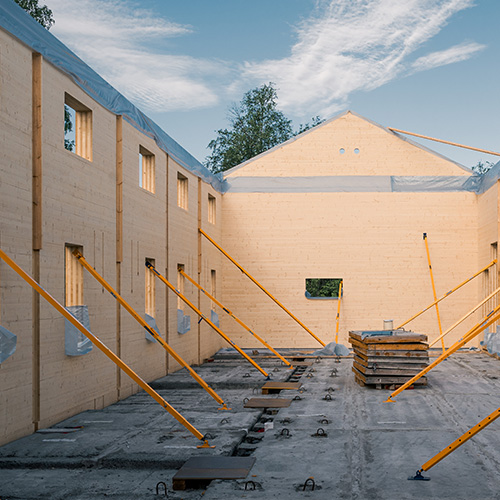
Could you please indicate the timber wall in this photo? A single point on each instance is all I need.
(100, 206)
(372, 240)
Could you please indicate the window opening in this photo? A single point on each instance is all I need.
(213, 284)
(180, 286)
(323, 288)
(73, 278)
(211, 209)
(182, 191)
(77, 127)
(150, 290)
(146, 170)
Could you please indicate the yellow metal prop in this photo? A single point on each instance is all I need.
(95, 341)
(248, 329)
(434, 291)
(474, 332)
(260, 286)
(447, 294)
(338, 314)
(158, 338)
(461, 440)
(203, 317)
(463, 318)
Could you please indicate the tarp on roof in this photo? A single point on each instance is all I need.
(20, 24)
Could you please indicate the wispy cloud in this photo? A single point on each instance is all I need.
(353, 45)
(452, 55)
(343, 47)
(115, 38)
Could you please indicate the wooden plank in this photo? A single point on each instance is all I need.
(408, 356)
(273, 387)
(386, 372)
(390, 347)
(268, 403)
(371, 380)
(391, 363)
(387, 339)
(197, 472)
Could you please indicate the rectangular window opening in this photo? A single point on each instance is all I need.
(182, 191)
(150, 290)
(323, 288)
(211, 209)
(146, 170)
(77, 127)
(180, 286)
(213, 285)
(73, 277)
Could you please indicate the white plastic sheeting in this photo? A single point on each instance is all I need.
(492, 341)
(364, 183)
(8, 342)
(75, 342)
(183, 322)
(152, 324)
(214, 318)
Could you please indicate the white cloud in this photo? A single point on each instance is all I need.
(343, 47)
(114, 37)
(353, 45)
(452, 55)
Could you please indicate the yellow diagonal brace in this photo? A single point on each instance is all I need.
(102, 347)
(248, 329)
(492, 263)
(338, 314)
(260, 286)
(434, 290)
(463, 318)
(203, 317)
(151, 331)
(474, 332)
(461, 440)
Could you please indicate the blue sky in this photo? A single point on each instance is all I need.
(426, 66)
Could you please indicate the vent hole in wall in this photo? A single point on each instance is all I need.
(341, 151)
(356, 151)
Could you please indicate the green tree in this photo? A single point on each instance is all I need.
(256, 126)
(42, 14)
(323, 287)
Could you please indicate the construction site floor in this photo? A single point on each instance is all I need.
(365, 450)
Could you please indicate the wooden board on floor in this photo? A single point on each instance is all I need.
(268, 403)
(272, 387)
(197, 472)
(407, 337)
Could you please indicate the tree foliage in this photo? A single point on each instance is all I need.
(42, 14)
(256, 126)
(323, 287)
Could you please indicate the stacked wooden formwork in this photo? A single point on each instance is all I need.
(388, 359)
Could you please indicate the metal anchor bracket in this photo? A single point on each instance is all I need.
(418, 477)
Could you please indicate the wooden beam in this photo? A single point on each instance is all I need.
(444, 142)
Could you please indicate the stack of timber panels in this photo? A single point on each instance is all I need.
(388, 359)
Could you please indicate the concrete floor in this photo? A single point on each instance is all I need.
(370, 449)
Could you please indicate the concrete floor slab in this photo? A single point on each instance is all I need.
(370, 449)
